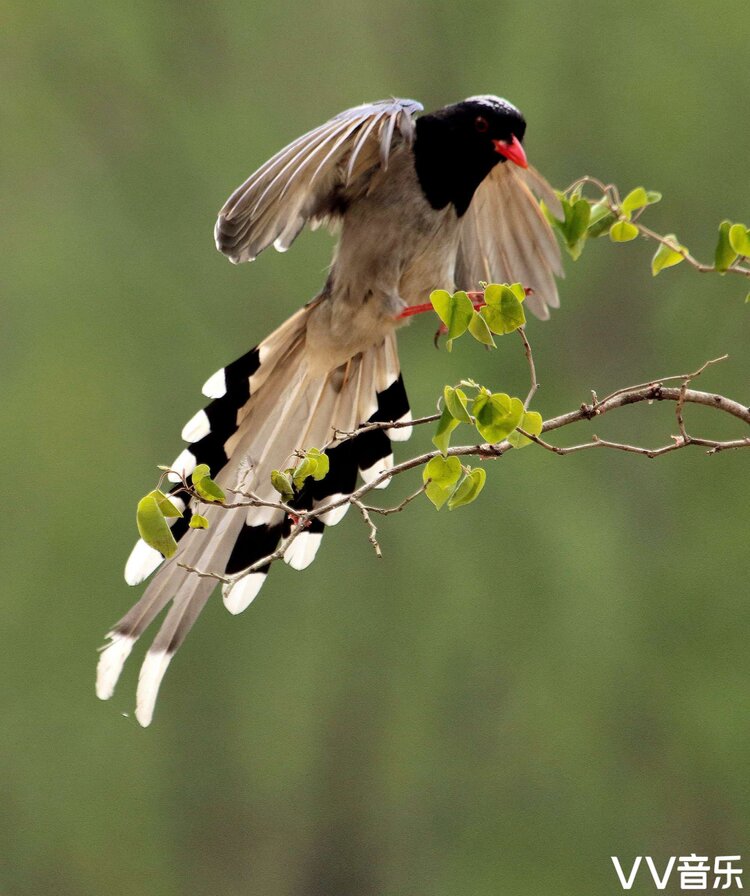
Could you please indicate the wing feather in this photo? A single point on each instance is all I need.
(505, 238)
(274, 203)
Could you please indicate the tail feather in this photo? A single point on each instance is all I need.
(265, 406)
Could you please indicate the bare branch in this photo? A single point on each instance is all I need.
(373, 536)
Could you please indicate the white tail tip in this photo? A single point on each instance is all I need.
(239, 595)
(111, 661)
(196, 428)
(376, 469)
(400, 433)
(332, 517)
(301, 552)
(143, 560)
(149, 680)
(216, 385)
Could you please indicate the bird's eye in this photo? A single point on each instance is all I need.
(480, 123)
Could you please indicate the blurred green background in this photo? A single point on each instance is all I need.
(575, 681)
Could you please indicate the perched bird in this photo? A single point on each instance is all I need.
(443, 201)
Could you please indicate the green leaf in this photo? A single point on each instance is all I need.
(479, 329)
(305, 468)
(623, 232)
(469, 490)
(204, 486)
(577, 218)
(457, 402)
(602, 225)
(322, 467)
(739, 239)
(503, 312)
(446, 424)
(443, 471)
(282, 482)
(496, 415)
(438, 495)
(635, 199)
(167, 508)
(455, 311)
(553, 221)
(598, 211)
(532, 423)
(319, 464)
(666, 257)
(725, 255)
(518, 291)
(198, 522)
(153, 527)
(653, 196)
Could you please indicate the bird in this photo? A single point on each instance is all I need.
(444, 200)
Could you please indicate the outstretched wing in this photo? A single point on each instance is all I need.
(313, 178)
(505, 238)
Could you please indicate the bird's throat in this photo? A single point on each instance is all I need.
(447, 173)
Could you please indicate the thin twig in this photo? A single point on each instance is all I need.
(373, 536)
(532, 368)
(387, 511)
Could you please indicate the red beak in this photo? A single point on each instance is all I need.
(513, 151)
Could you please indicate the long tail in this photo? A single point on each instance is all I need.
(265, 406)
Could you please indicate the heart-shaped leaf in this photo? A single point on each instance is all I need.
(665, 256)
(623, 232)
(503, 312)
(455, 311)
(496, 415)
(443, 471)
(471, 485)
(437, 494)
(198, 522)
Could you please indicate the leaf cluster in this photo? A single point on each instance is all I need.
(289, 483)
(155, 508)
(585, 218)
(500, 313)
(495, 416)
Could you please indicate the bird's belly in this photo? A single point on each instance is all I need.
(397, 257)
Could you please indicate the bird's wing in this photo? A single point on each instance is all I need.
(505, 238)
(310, 179)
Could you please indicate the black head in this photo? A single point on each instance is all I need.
(458, 146)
